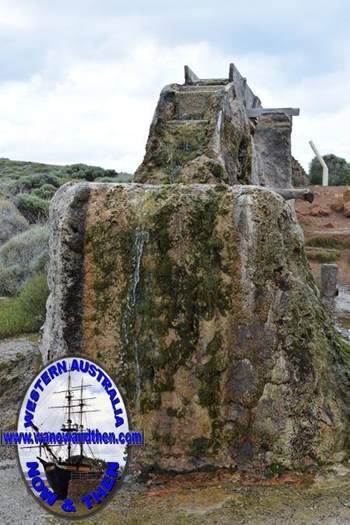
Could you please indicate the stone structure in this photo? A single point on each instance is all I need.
(20, 360)
(299, 175)
(197, 295)
(215, 130)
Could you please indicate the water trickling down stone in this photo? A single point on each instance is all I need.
(141, 238)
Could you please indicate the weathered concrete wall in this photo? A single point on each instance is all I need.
(272, 140)
(65, 278)
(242, 89)
(200, 300)
(203, 132)
(198, 134)
(299, 175)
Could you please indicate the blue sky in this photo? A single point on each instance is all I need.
(79, 80)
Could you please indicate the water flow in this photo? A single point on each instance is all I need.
(141, 238)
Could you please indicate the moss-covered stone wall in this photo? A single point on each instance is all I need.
(199, 299)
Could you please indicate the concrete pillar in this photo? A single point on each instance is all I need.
(329, 273)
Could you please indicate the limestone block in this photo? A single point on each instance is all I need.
(200, 301)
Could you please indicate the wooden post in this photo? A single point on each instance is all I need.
(329, 273)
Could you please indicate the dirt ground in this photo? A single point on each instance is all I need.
(325, 218)
(199, 500)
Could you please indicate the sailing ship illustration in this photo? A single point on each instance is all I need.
(81, 465)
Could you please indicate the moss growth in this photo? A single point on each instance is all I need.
(275, 469)
(209, 375)
(199, 446)
(178, 144)
(177, 297)
(343, 349)
(174, 412)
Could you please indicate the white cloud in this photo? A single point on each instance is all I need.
(95, 111)
(14, 17)
(90, 93)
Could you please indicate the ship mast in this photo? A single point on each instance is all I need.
(68, 425)
(81, 404)
(69, 421)
(71, 405)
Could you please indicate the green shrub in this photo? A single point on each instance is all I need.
(118, 178)
(339, 170)
(11, 221)
(328, 242)
(8, 281)
(46, 191)
(31, 182)
(89, 173)
(33, 208)
(275, 469)
(25, 313)
(40, 263)
(22, 256)
(25, 247)
(39, 180)
(323, 256)
(33, 296)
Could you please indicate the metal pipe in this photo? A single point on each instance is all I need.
(323, 164)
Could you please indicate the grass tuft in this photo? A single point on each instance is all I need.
(323, 256)
(328, 242)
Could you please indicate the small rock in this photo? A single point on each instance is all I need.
(339, 470)
(347, 209)
(308, 462)
(337, 205)
(317, 211)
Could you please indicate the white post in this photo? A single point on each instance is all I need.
(323, 164)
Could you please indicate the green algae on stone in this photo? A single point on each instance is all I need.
(199, 298)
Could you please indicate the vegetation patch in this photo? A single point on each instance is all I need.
(26, 189)
(21, 257)
(32, 207)
(26, 312)
(323, 256)
(339, 170)
(275, 469)
(328, 242)
(199, 446)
